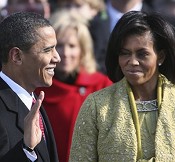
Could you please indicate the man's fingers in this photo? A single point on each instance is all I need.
(41, 96)
(38, 103)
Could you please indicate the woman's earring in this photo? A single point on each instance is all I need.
(159, 64)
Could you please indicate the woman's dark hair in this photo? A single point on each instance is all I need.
(137, 23)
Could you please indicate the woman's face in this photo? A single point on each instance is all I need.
(138, 60)
(68, 47)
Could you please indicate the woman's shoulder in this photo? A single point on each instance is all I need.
(111, 92)
(113, 88)
(105, 90)
(105, 93)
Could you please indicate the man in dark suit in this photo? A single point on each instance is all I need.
(28, 55)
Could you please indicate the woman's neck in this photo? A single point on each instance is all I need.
(144, 93)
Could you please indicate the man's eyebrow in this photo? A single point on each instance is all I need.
(48, 48)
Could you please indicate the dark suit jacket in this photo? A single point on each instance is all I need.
(12, 114)
(100, 31)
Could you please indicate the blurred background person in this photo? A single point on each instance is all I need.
(39, 6)
(166, 8)
(3, 13)
(87, 8)
(94, 12)
(116, 9)
(75, 77)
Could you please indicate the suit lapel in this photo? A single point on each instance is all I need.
(13, 103)
(22, 112)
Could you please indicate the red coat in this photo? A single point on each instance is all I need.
(62, 103)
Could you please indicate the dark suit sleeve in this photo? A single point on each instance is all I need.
(15, 154)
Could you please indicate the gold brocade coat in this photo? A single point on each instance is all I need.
(105, 130)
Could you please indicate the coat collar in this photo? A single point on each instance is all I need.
(13, 103)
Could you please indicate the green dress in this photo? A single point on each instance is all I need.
(148, 115)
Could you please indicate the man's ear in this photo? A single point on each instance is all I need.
(161, 57)
(15, 55)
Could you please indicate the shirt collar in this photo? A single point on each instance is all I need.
(115, 15)
(21, 92)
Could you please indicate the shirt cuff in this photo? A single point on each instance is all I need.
(31, 155)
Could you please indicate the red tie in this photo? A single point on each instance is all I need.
(40, 121)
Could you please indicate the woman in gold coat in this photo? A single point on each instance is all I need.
(134, 119)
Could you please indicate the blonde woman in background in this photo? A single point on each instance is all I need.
(94, 12)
